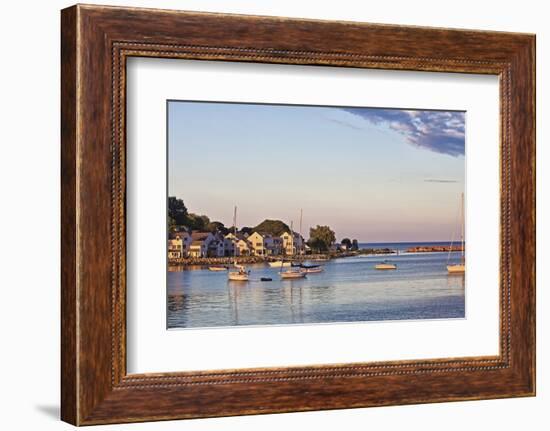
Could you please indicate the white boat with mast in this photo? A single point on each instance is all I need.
(241, 273)
(292, 274)
(458, 268)
(385, 265)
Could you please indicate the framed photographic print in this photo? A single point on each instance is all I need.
(268, 215)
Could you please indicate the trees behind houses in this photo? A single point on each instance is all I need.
(273, 227)
(178, 216)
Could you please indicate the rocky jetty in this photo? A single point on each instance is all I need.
(210, 261)
(434, 248)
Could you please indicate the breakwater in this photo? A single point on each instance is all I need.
(227, 260)
(434, 248)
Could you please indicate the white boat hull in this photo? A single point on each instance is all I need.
(385, 266)
(279, 264)
(291, 275)
(314, 270)
(456, 269)
(217, 268)
(237, 276)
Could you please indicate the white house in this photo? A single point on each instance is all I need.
(238, 243)
(244, 248)
(264, 244)
(175, 248)
(178, 244)
(200, 244)
(293, 243)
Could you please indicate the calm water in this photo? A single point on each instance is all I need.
(349, 290)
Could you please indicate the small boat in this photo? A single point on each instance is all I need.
(292, 274)
(314, 270)
(279, 264)
(385, 265)
(458, 268)
(217, 268)
(241, 274)
(266, 279)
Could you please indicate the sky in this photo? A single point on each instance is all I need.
(371, 174)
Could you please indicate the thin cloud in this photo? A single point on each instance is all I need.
(439, 131)
(346, 124)
(436, 180)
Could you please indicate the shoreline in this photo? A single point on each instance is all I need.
(228, 260)
(434, 248)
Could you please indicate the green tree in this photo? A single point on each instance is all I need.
(216, 226)
(197, 222)
(171, 224)
(274, 227)
(354, 245)
(317, 245)
(321, 238)
(177, 211)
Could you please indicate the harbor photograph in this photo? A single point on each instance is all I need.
(299, 214)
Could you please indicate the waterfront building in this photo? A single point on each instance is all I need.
(179, 244)
(293, 243)
(244, 247)
(239, 242)
(264, 244)
(216, 248)
(200, 244)
(175, 248)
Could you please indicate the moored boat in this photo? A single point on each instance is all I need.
(458, 268)
(279, 264)
(293, 274)
(241, 274)
(385, 266)
(217, 268)
(311, 269)
(314, 270)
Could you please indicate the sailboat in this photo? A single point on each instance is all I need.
(458, 268)
(385, 265)
(292, 274)
(241, 274)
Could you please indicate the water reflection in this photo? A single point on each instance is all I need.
(348, 290)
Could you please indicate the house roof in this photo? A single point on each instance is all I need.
(176, 235)
(200, 236)
(239, 235)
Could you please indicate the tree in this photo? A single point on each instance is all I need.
(197, 222)
(346, 242)
(246, 230)
(321, 238)
(217, 226)
(317, 245)
(354, 245)
(273, 227)
(177, 211)
(171, 224)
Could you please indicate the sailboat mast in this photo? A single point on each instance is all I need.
(300, 238)
(291, 237)
(235, 233)
(462, 226)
